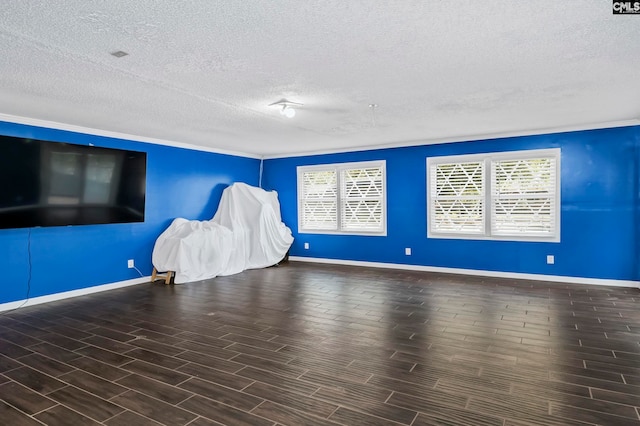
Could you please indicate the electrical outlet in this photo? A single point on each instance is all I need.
(407, 251)
(130, 264)
(306, 246)
(551, 259)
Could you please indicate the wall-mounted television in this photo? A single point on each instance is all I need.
(45, 183)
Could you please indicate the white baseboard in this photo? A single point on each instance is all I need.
(482, 273)
(73, 293)
(536, 277)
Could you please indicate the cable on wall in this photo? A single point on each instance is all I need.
(28, 276)
(260, 178)
(138, 270)
(30, 267)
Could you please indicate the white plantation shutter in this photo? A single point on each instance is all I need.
(342, 198)
(319, 195)
(457, 197)
(362, 198)
(523, 196)
(506, 195)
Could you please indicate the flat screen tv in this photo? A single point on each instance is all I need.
(46, 183)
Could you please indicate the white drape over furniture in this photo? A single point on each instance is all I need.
(246, 232)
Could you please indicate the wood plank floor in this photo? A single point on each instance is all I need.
(305, 344)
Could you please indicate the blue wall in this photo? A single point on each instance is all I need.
(180, 183)
(600, 228)
(599, 216)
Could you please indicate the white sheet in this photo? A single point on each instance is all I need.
(246, 233)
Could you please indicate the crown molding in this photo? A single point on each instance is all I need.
(465, 138)
(117, 135)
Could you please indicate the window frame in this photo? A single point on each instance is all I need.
(488, 159)
(338, 168)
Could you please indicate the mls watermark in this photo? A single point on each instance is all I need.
(626, 7)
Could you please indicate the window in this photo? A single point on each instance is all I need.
(508, 195)
(342, 198)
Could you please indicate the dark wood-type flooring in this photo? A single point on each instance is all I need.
(305, 344)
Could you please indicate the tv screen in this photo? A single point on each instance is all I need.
(58, 184)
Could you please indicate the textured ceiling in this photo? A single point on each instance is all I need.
(202, 73)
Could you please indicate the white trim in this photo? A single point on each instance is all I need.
(117, 135)
(72, 293)
(496, 155)
(477, 272)
(465, 138)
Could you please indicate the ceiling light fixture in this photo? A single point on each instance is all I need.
(288, 112)
(287, 107)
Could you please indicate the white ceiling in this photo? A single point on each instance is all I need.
(202, 73)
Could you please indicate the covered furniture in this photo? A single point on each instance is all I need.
(246, 232)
